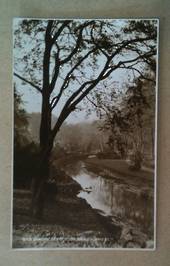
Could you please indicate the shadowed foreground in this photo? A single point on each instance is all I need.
(70, 222)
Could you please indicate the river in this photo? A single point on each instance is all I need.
(126, 205)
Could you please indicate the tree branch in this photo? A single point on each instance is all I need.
(92, 84)
(57, 34)
(29, 82)
(125, 43)
(138, 71)
(103, 76)
(49, 42)
(67, 109)
(78, 95)
(48, 31)
(146, 55)
(97, 106)
(56, 72)
(65, 84)
(78, 43)
(97, 44)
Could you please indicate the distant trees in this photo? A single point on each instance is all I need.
(130, 121)
(81, 137)
(139, 113)
(85, 137)
(71, 57)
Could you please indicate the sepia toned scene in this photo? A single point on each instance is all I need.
(85, 94)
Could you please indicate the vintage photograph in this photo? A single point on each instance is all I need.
(84, 133)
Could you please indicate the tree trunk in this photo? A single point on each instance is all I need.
(38, 187)
(43, 168)
(46, 133)
(46, 139)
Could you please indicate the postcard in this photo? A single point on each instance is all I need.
(84, 133)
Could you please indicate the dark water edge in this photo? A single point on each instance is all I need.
(70, 222)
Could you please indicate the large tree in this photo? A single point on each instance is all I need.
(64, 60)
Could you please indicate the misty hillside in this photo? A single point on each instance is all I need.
(84, 136)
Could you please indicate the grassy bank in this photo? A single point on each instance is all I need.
(120, 168)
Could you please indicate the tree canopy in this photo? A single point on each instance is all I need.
(65, 60)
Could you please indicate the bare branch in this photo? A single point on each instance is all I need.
(125, 43)
(91, 83)
(48, 30)
(78, 42)
(67, 79)
(122, 63)
(54, 102)
(55, 72)
(67, 109)
(29, 82)
(70, 105)
(97, 44)
(103, 76)
(57, 34)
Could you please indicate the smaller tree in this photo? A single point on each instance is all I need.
(139, 109)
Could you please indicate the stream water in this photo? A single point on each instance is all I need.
(126, 204)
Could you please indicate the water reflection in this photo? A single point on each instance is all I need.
(127, 205)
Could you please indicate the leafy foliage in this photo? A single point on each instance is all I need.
(25, 150)
(131, 120)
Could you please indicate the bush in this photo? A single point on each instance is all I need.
(25, 165)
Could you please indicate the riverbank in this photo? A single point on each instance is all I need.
(119, 169)
(68, 221)
(127, 201)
